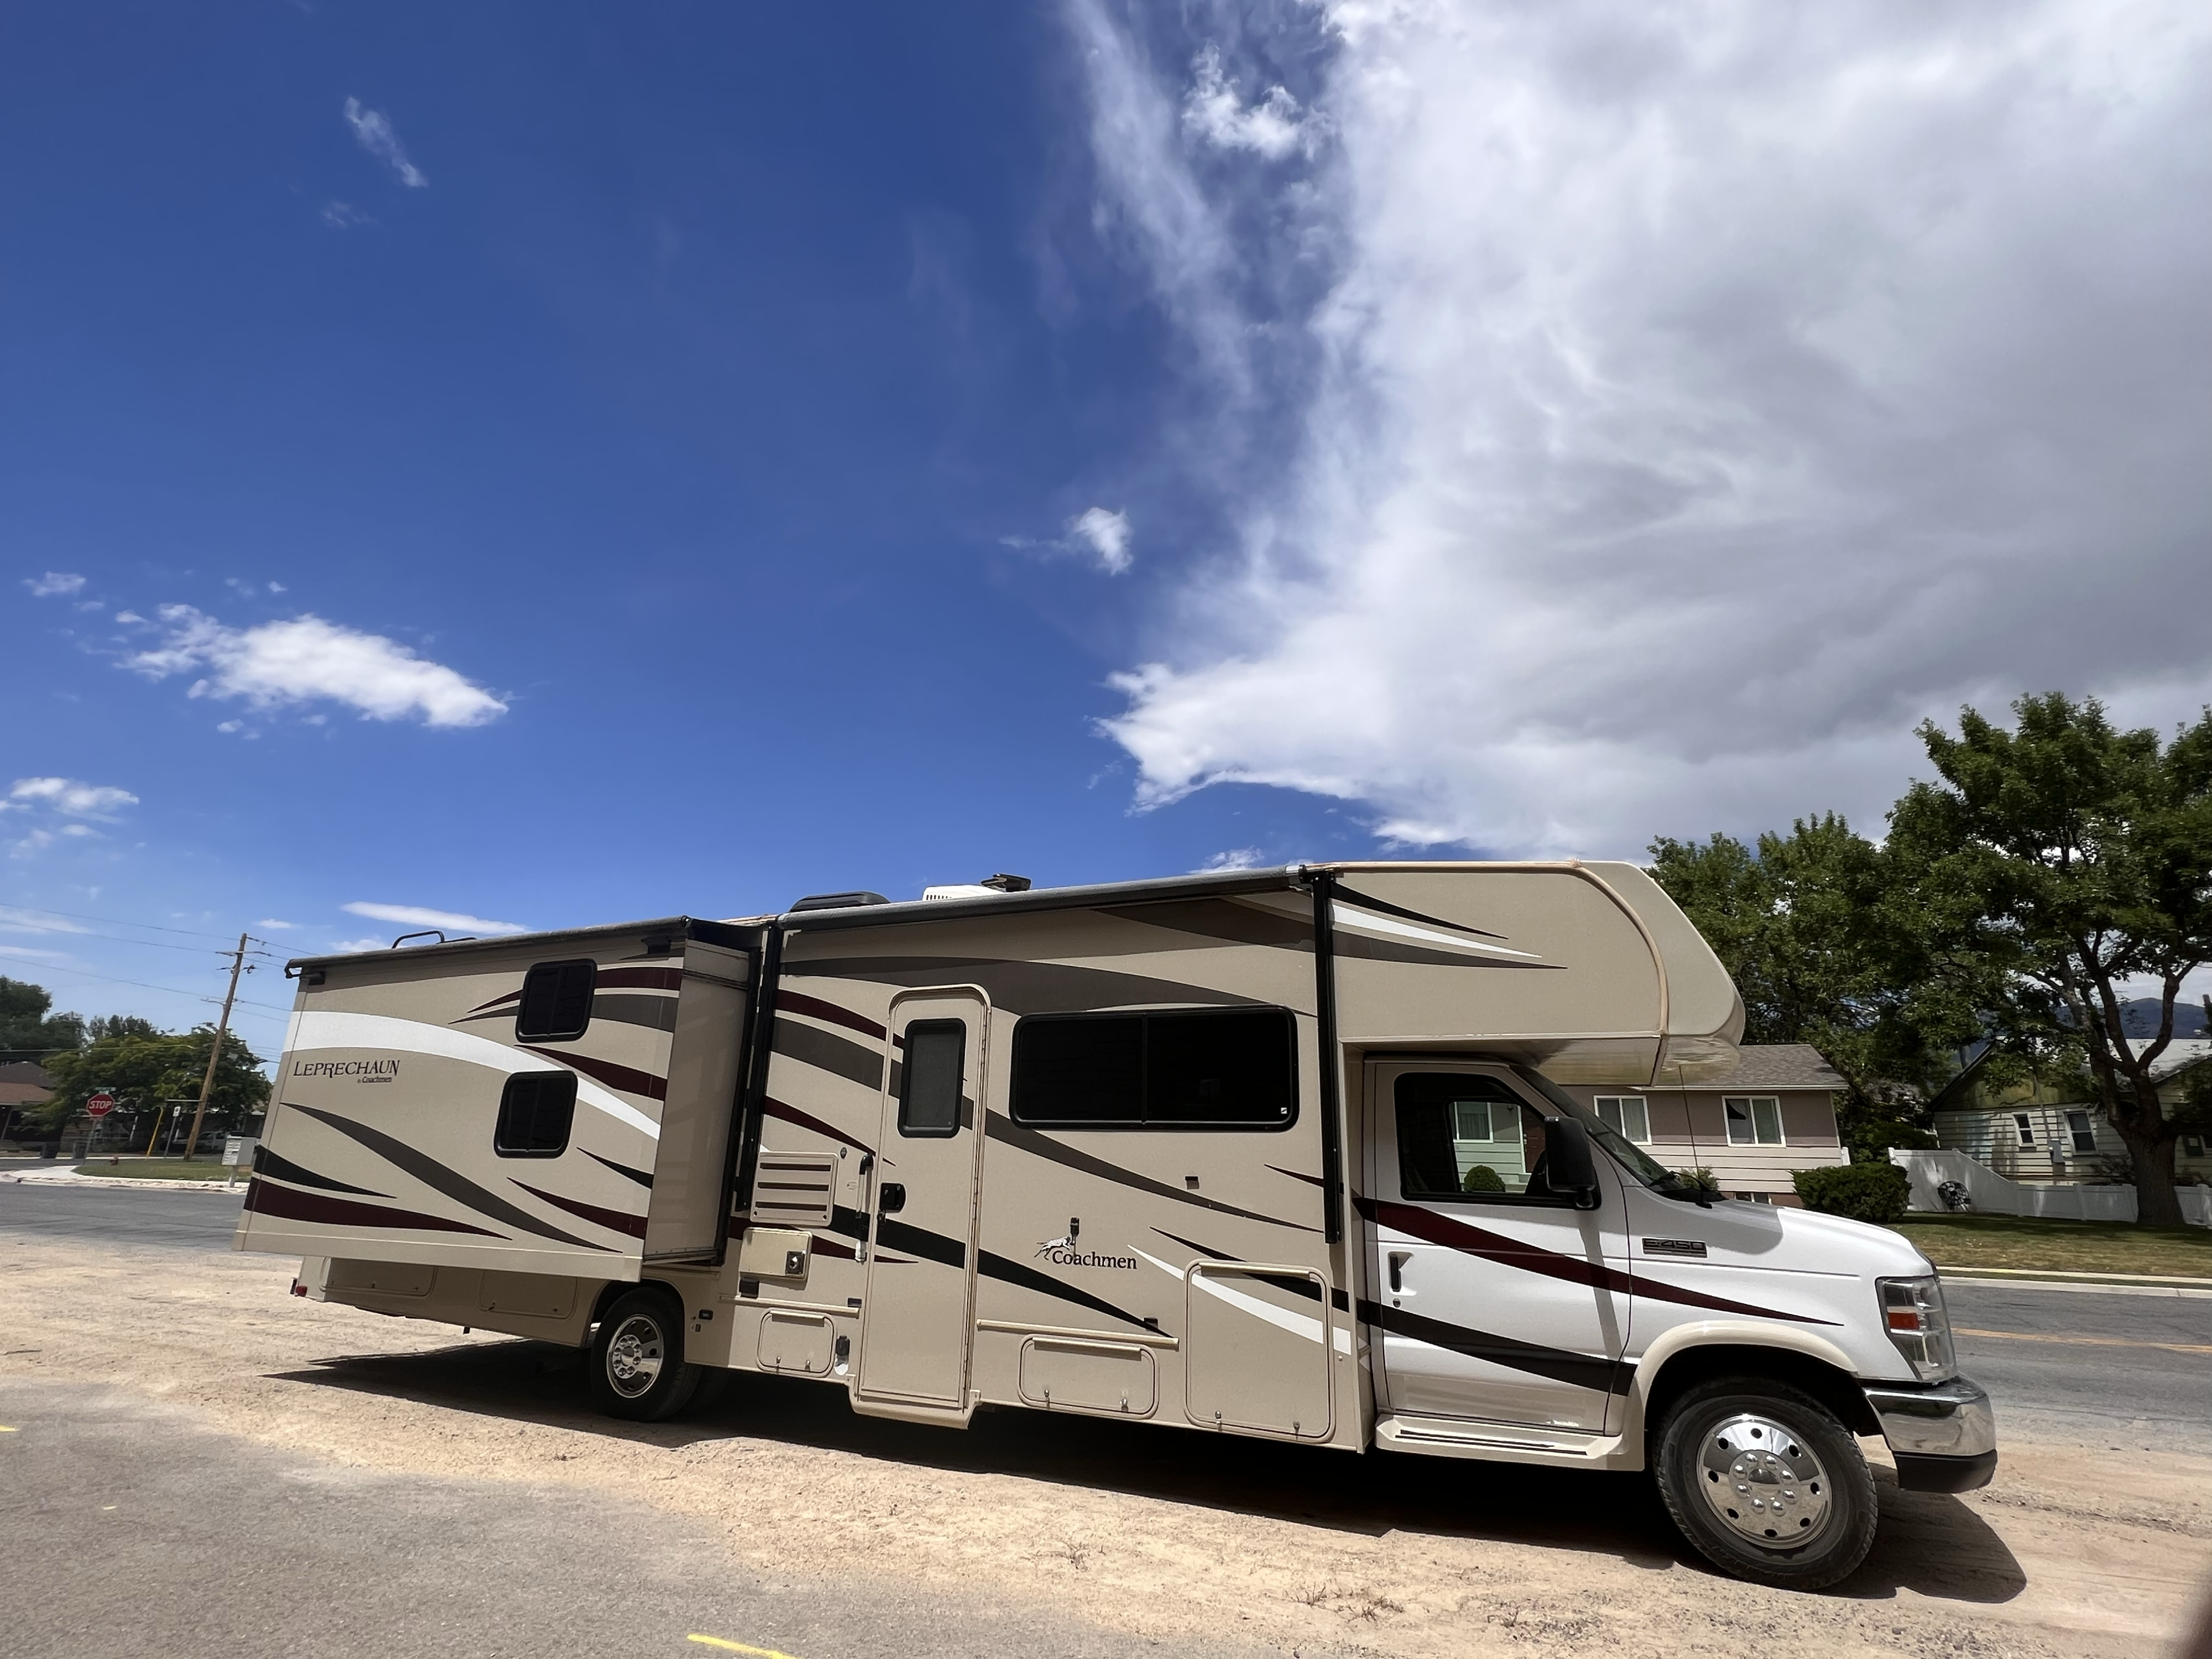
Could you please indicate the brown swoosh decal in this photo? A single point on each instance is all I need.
(828, 1012)
(828, 1051)
(614, 1220)
(999, 1127)
(774, 1108)
(266, 1198)
(1023, 988)
(1552, 1264)
(626, 1078)
(661, 979)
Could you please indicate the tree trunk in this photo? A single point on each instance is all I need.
(2157, 1204)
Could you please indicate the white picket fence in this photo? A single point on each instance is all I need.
(2064, 1201)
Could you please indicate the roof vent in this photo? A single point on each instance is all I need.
(989, 887)
(838, 901)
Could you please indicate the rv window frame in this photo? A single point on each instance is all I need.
(522, 1000)
(1507, 1078)
(1141, 1124)
(505, 1101)
(908, 1129)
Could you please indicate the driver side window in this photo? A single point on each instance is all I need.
(1467, 1138)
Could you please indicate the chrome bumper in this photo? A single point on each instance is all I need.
(1944, 1437)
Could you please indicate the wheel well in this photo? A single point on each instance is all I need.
(614, 1290)
(1832, 1388)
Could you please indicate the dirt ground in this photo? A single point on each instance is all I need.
(2075, 1551)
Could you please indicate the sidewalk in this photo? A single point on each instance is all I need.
(64, 1175)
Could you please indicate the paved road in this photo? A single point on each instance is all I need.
(255, 1553)
(2075, 1365)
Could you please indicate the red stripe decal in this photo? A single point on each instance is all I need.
(798, 1002)
(613, 1220)
(266, 1198)
(659, 979)
(626, 1078)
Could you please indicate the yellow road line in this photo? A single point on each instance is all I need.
(2091, 1342)
(735, 1647)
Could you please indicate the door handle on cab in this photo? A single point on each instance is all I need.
(1398, 1259)
(890, 1198)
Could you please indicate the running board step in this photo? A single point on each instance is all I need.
(1445, 1436)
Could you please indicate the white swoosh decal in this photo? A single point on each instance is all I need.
(414, 1037)
(1282, 1319)
(1368, 921)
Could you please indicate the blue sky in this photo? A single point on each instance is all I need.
(554, 464)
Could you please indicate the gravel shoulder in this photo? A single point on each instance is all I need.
(2077, 1549)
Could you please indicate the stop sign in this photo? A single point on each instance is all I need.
(99, 1105)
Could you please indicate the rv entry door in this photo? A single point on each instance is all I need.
(917, 1319)
(1493, 1292)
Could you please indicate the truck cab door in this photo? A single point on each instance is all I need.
(1492, 1292)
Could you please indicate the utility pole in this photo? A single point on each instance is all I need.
(215, 1055)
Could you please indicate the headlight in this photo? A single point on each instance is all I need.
(1914, 1317)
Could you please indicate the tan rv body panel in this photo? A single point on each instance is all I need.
(1179, 1275)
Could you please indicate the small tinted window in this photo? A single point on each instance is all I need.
(556, 1001)
(930, 1077)
(536, 1110)
(1200, 1070)
(1466, 1136)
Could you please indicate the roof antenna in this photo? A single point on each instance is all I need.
(1002, 882)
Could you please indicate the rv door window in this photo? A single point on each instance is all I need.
(1206, 1069)
(534, 1111)
(930, 1079)
(557, 1002)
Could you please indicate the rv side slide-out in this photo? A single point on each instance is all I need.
(1275, 1153)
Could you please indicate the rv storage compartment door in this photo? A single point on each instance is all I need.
(689, 1218)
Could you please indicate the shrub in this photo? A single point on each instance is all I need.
(1481, 1179)
(1865, 1191)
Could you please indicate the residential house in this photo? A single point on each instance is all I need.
(1754, 1127)
(24, 1085)
(2026, 1131)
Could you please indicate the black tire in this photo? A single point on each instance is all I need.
(1765, 1483)
(637, 1358)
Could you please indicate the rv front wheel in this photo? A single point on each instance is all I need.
(637, 1359)
(1767, 1482)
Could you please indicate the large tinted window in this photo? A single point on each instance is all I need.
(930, 1079)
(536, 1110)
(556, 1001)
(1234, 1069)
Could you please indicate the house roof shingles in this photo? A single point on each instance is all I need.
(1774, 1066)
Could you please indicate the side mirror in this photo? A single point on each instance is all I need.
(1571, 1167)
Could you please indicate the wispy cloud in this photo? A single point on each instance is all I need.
(27, 921)
(70, 797)
(283, 664)
(1235, 858)
(55, 584)
(279, 927)
(372, 128)
(1696, 400)
(1273, 126)
(345, 215)
(416, 915)
(1097, 533)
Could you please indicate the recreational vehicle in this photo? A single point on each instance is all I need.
(1282, 1153)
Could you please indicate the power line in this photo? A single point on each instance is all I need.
(114, 921)
(86, 973)
(122, 938)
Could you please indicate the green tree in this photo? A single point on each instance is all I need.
(143, 1067)
(29, 1029)
(2054, 868)
(1807, 926)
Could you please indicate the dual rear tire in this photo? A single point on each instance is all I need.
(1765, 1482)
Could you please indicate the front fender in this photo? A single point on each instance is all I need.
(1679, 1339)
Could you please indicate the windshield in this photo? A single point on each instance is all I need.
(1669, 1183)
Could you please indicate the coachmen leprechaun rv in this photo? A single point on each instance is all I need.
(1277, 1153)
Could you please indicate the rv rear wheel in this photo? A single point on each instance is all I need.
(637, 1358)
(1765, 1482)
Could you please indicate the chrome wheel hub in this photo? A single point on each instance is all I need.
(634, 1357)
(1764, 1482)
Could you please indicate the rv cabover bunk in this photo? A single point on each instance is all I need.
(1278, 1153)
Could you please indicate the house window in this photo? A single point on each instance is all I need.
(1230, 1070)
(2023, 1128)
(2085, 1138)
(534, 1111)
(929, 1080)
(1753, 1119)
(2193, 1145)
(557, 1002)
(1629, 1115)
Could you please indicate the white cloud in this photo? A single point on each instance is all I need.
(27, 921)
(1274, 127)
(345, 215)
(374, 130)
(414, 915)
(71, 797)
(282, 663)
(53, 585)
(1106, 536)
(1701, 396)
(340, 947)
(279, 927)
(1235, 858)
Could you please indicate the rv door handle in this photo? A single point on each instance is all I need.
(1398, 1259)
(892, 1199)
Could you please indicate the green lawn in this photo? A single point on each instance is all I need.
(209, 1168)
(2073, 1247)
